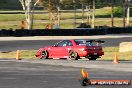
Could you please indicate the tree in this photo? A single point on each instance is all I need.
(112, 13)
(128, 12)
(28, 6)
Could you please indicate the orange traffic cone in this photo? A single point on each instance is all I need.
(84, 73)
(18, 55)
(116, 59)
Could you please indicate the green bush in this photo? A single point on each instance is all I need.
(118, 11)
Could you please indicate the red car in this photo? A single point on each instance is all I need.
(73, 49)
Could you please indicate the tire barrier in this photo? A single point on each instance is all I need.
(20, 32)
(64, 32)
(5, 32)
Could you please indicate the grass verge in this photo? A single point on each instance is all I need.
(110, 54)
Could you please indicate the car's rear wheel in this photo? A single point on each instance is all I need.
(92, 57)
(73, 55)
(44, 54)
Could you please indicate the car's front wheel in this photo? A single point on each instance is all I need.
(44, 54)
(73, 55)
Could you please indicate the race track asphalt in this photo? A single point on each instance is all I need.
(36, 44)
(28, 74)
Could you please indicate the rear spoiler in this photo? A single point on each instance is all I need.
(98, 41)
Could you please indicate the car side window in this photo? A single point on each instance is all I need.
(69, 43)
(65, 43)
(62, 43)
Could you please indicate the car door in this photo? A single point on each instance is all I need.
(68, 47)
(59, 50)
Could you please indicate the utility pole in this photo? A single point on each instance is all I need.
(93, 15)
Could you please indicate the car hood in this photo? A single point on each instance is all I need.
(45, 47)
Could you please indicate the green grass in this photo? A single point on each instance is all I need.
(11, 17)
(109, 54)
(67, 19)
(103, 12)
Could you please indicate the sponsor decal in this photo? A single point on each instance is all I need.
(84, 80)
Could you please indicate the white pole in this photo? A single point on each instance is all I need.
(128, 13)
(82, 11)
(28, 13)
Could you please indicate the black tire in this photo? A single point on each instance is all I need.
(44, 54)
(92, 57)
(73, 55)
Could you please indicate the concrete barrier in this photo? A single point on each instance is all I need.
(125, 47)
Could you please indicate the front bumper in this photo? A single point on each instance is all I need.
(38, 54)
